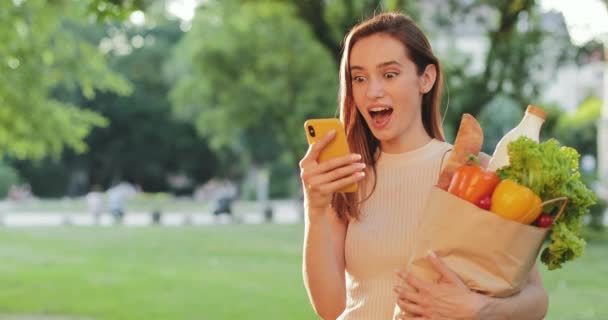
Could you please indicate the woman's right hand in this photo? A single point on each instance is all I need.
(322, 180)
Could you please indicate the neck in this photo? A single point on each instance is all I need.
(409, 141)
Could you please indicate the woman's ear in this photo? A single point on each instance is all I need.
(427, 78)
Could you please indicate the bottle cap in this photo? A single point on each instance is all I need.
(537, 111)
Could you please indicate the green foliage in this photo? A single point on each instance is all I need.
(48, 177)
(8, 177)
(552, 171)
(257, 74)
(104, 10)
(512, 62)
(597, 215)
(37, 55)
(331, 20)
(579, 129)
(143, 143)
(499, 116)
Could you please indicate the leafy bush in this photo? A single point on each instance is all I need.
(8, 177)
(597, 215)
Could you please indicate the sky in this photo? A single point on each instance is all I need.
(586, 19)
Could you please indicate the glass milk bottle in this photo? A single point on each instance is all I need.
(529, 127)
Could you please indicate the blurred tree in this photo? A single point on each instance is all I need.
(331, 20)
(592, 50)
(8, 178)
(110, 10)
(579, 129)
(249, 75)
(511, 65)
(499, 116)
(250, 72)
(143, 142)
(512, 60)
(37, 55)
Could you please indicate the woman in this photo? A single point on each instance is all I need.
(390, 88)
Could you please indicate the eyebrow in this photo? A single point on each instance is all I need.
(380, 65)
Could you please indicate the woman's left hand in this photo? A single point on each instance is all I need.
(449, 298)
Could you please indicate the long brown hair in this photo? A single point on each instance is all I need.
(360, 137)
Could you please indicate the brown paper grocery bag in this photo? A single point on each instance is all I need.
(492, 255)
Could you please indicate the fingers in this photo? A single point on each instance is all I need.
(409, 301)
(340, 183)
(332, 175)
(407, 295)
(403, 316)
(337, 163)
(413, 310)
(335, 174)
(314, 150)
(415, 282)
(447, 275)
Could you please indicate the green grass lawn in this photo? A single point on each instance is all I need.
(204, 272)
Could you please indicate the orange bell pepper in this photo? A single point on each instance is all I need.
(471, 182)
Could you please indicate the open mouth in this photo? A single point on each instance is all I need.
(380, 116)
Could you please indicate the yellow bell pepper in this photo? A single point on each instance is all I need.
(514, 201)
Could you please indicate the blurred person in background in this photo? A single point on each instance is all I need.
(95, 202)
(117, 197)
(19, 193)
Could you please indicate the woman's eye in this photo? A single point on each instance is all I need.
(390, 75)
(358, 79)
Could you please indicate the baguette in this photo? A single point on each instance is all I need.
(469, 140)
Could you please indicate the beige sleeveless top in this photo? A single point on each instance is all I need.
(381, 240)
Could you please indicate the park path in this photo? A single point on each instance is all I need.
(283, 213)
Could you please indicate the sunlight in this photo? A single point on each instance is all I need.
(137, 17)
(183, 9)
(586, 19)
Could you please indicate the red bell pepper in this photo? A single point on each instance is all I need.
(472, 183)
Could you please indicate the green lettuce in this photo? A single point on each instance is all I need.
(552, 171)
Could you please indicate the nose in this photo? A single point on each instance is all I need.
(375, 89)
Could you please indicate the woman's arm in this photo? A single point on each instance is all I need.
(451, 299)
(323, 264)
(324, 232)
(530, 303)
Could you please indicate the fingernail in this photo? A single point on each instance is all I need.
(431, 254)
(359, 165)
(397, 289)
(332, 132)
(355, 156)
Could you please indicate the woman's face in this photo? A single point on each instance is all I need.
(387, 91)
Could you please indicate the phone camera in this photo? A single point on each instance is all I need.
(311, 131)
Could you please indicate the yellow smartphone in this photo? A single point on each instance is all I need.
(317, 128)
